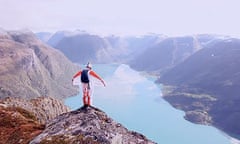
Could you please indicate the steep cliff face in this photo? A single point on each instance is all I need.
(29, 68)
(43, 108)
(88, 125)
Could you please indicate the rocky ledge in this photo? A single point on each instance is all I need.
(43, 108)
(88, 125)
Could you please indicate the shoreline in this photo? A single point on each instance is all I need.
(196, 114)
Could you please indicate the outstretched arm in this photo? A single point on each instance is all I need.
(97, 76)
(77, 74)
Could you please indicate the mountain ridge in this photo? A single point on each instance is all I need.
(81, 46)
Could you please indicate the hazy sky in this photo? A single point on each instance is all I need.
(123, 17)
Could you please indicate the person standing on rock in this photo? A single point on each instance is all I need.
(85, 82)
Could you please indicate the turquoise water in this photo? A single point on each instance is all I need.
(135, 101)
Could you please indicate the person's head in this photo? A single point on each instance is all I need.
(89, 65)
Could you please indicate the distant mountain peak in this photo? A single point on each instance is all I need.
(88, 125)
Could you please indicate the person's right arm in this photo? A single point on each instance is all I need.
(77, 74)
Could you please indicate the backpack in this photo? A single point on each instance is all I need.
(84, 76)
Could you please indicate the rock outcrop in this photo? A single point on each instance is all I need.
(44, 109)
(88, 125)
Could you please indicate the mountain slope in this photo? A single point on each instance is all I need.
(210, 67)
(44, 36)
(88, 125)
(29, 68)
(81, 47)
(206, 85)
(166, 54)
(125, 49)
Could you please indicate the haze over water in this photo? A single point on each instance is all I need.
(135, 101)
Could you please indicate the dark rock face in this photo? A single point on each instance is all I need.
(88, 125)
(29, 68)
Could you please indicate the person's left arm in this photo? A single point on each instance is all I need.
(92, 73)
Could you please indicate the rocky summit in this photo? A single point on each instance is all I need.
(87, 125)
